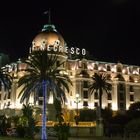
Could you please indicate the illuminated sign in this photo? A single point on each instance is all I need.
(56, 47)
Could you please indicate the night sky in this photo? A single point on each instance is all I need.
(108, 29)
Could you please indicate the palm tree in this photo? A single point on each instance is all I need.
(5, 79)
(99, 85)
(43, 74)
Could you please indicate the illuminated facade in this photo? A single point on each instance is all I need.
(125, 79)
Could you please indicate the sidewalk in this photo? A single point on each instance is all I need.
(96, 138)
(73, 138)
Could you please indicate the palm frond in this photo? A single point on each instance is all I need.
(42, 66)
(5, 79)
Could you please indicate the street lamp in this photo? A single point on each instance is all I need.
(77, 102)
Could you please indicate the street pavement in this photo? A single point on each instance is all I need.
(97, 138)
(73, 138)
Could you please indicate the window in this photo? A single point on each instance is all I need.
(109, 105)
(8, 105)
(108, 77)
(121, 96)
(40, 102)
(9, 94)
(95, 67)
(119, 69)
(131, 79)
(96, 95)
(121, 105)
(131, 89)
(85, 94)
(131, 97)
(109, 96)
(85, 84)
(95, 104)
(108, 68)
(85, 103)
(121, 87)
(40, 93)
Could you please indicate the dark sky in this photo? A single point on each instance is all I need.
(108, 29)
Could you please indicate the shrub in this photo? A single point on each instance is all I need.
(62, 130)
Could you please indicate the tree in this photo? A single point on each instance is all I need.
(42, 73)
(135, 106)
(99, 84)
(58, 109)
(28, 113)
(4, 124)
(5, 79)
(133, 127)
(134, 111)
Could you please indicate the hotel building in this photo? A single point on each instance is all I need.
(125, 79)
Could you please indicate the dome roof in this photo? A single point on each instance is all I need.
(48, 39)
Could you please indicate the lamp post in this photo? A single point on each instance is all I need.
(77, 102)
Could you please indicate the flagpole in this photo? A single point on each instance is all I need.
(49, 15)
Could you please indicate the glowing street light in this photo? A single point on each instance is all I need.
(77, 102)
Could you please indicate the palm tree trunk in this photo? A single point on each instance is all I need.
(100, 97)
(100, 101)
(44, 132)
